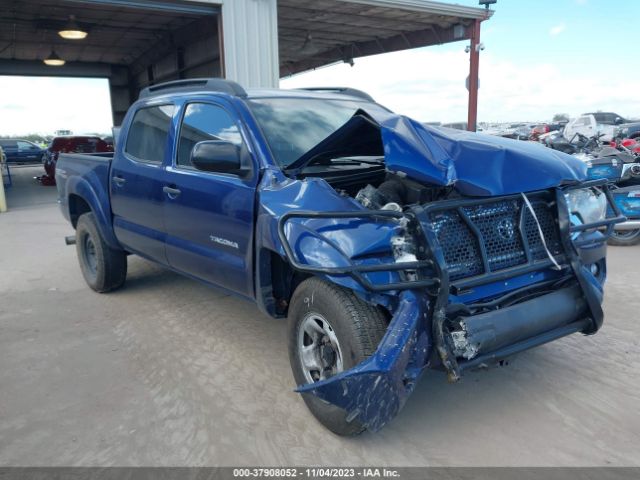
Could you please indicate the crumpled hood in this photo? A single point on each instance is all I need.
(475, 164)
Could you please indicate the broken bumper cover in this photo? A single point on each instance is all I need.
(374, 391)
(518, 324)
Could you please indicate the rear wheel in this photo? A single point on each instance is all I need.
(625, 238)
(103, 268)
(330, 330)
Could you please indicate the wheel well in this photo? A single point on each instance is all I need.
(284, 281)
(278, 281)
(77, 206)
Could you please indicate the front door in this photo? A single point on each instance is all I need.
(209, 216)
(28, 152)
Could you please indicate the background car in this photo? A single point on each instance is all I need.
(21, 151)
(455, 125)
(70, 144)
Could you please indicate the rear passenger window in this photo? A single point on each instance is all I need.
(147, 137)
(203, 121)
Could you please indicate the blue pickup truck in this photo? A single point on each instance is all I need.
(390, 246)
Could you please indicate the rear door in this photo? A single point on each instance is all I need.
(137, 179)
(210, 216)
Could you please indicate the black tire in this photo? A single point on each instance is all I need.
(625, 238)
(103, 268)
(358, 327)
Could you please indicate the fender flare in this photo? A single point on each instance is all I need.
(96, 201)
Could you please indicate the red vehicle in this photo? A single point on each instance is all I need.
(537, 131)
(70, 144)
(630, 145)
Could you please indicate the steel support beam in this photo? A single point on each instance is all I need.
(428, 36)
(474, 68)
(250, 32)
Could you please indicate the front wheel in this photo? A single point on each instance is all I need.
(625, 238)
(330, 330)
(103, 268)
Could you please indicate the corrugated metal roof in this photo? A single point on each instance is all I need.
(313, 33)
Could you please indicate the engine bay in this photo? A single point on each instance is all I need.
(375, 188)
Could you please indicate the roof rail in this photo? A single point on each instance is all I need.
(213, 84)
(342, 90)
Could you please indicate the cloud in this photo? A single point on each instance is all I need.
(429, 85)
(557, 29)
(45, 104)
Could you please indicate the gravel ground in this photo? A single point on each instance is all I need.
(167, 371)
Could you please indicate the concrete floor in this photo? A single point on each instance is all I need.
(170, 372)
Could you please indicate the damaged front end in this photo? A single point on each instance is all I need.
(471, 269)
(491, 277)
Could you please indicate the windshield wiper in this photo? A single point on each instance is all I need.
(337, 161)
(346, 161)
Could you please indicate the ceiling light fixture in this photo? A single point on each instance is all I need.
(53, 60)
(72, 30)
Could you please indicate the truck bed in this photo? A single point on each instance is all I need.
(85, 175)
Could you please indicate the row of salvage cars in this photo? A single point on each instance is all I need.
(617, 161)
(607, 153)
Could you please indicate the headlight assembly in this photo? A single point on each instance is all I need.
(589, 204)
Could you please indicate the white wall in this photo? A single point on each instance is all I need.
(250, 38)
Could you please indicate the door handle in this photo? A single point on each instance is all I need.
(171, 192)
(119, 181)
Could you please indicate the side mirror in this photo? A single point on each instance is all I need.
(217, 156)
(618, 121)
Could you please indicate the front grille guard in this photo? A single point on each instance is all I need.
(488, 275)
(531, 265)
(352, 270)
(421, 214)
(570, 259)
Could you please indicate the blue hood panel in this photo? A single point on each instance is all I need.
(476, 164)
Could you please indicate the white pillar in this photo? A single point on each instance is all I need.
(250, 36)
(3, 199)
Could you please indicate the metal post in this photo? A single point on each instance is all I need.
(474, 67)
(3, 199)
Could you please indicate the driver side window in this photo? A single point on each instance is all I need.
(25, 146)
(203, 121)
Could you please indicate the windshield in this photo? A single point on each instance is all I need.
(293, 126)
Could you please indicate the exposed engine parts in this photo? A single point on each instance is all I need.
(394, 193)
(388, 196)
(404, 250)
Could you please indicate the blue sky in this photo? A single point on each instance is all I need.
(541, 57)
(575, 33)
